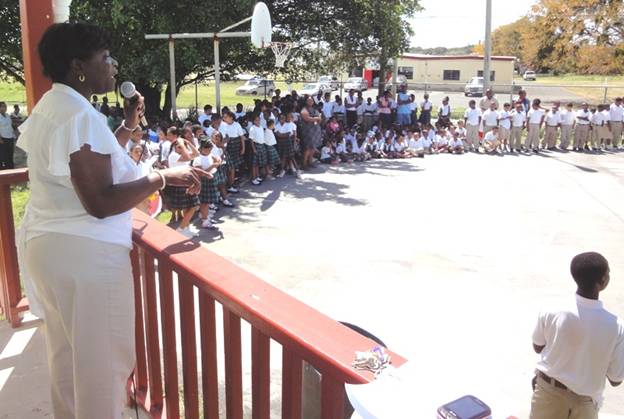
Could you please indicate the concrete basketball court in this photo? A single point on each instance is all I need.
(447, 259)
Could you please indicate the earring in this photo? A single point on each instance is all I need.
(82, 78)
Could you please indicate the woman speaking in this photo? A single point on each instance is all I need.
(76, 234)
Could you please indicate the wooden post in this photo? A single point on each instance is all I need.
(35, 17)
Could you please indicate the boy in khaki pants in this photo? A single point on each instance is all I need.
(581, 345)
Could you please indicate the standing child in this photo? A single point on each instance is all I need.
(220, 176)
(425, 110)
(567, 125)
(597, 121)
(234, 138)
(581, 131)
(256, 134)
(535, 121)
(270, 143)
(182, 153)
(286, 137)
(472, 119)
(504, 127)
(209, 193)
(444, 113)
(518, 122)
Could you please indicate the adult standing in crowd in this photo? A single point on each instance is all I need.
(310, 132)
(351, 104)
(403, 109)
(486, 102)
(7, 139)
(83, 185)
(524, 101)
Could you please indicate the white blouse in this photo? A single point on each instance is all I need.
(59, 125)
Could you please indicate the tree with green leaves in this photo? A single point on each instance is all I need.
(11, 66)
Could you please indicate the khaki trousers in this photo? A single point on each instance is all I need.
(596, 134)
(550, 137)
(503, 134)
(581, 134)
(516, 138)
(532, 139)
(87, 296)
(566, 130)
(472, 135)
(487, 128)
(550, 402)
(616, 130)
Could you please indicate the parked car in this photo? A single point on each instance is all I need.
(401, 80)
(313, 89)
(356, 83)
(529, 75)
(331, 81)
(474, 87)
(256, 87)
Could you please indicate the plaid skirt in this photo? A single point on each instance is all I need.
(233, 150)
(177, 198)
(209, 193)
(285, 148)
(272, 155)
(260, 156)
(220, 176)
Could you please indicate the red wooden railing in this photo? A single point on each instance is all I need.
(165, 262)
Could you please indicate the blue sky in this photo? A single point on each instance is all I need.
(454, 23)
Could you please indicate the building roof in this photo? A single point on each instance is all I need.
(425, 57)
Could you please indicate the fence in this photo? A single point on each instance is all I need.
(166, 265)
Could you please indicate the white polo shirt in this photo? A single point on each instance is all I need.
(490, 136)
(503, 119)
(490, 118)
(518, 118)
(553, 118)
(584, 344)
(256, 134)
(616, 113)
(472, 116)
(6, 126)
(567, 117)
(328, 108)
(535, 116)
(583, 114)
(597, 118)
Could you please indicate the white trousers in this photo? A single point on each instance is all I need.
(86, 291)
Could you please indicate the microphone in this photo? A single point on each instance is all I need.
(128, 90)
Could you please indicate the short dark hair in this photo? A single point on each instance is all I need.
(63, 42)
(588, 269)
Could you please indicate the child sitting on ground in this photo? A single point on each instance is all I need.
(491, 142)
(456, 145)
(416, 144)
(441, 141)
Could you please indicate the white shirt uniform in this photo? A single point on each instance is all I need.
(472, 116)
(616, 113)
(518, 118)
(490, 136)
(417, 144)
(567, 117)
(583, 114)
(584, 344)
(597, 118)
(269, 137)
(370, 109)
(426, 105)
(6, 126)
(256, 134)
(490, 118)
(204, 162)
(203, 117)
(456, 142)
(503, 119)
(325, 153)
(553, 118)
(328, 108)
(445, 110)
(535, 116)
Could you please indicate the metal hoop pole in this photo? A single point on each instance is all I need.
(172, 82)
(217, 75)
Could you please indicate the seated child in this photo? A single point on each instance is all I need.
(427, 141)
(400, 147)
(328, 156)
(416, 145)
(491, 143)
(441, 141)
(456, 145)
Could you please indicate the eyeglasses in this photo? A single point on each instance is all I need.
(111, 61)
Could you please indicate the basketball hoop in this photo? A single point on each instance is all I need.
(281, 50)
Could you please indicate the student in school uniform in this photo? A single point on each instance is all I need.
(240, 112)
(504, 126)
(182, 153)
(472, 119)
(441, 140)
(351, 104)
(327, 106)
(400, 146)
(209, 193)
(427, 142)
(567, 125)
(518, 123)
(616, 120)
(220, 176)
(370, 111)
(490, 118)
(416, 145)
(491, 140)
(339, 109)
(444, 113)
(328, 156)
(606, 136)
(270, 142)
(552, 122)
(582, 128)
(597, 121)
(205, 116)
(425, 110)
(581, 347)
(461, 129)
(235, 140)
(456, 145)
(256, 134)
(360, 110)
(286, 138)
(535, 120)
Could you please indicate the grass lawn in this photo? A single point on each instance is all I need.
(19, 198)
(12, 93)
(593, 94)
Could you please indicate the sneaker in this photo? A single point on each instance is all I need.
(213, 207)
(185, 232)
(281, 174)
(255, 182)
(232, 189)
(227, 203)
(193, 229)
(207, 223)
